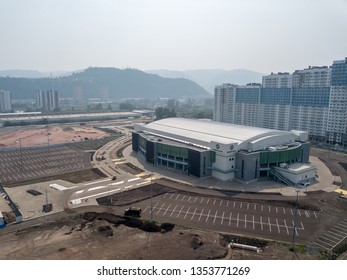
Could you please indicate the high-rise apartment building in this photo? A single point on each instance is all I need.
(279, 80)
(5, 101)
(47, 100)
(312, 99)
(337, 117)
(224, 103)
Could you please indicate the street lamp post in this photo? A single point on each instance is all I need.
(20, 151)
(295, 217)
(151, 199)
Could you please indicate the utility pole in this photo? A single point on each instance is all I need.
(295, 217)
(20, 151)
(151, 199)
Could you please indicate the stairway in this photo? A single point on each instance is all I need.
(280, 177)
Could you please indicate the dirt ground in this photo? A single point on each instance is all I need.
(105, 236)
(38, 136)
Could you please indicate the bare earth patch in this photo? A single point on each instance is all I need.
(105, 236)
(41, 136)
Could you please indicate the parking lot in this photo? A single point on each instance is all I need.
(333, 237)
(231, 216)
(20, 165)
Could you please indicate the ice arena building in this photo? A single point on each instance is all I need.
(205, 148)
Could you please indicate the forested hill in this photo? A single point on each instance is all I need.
(106, 83)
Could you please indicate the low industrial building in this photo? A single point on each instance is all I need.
(204, 148)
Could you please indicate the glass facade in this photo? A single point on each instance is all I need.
(247, 95)
(275, 96)
(276, 157)
(311, 97)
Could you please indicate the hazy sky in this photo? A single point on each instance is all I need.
(260, 35)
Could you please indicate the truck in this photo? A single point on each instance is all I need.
(133, 212)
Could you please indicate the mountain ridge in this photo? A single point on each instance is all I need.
(105, 83)
(209, 78)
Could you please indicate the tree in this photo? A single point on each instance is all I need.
(126, 106)
(164, 112)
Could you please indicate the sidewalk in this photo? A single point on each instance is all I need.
(324, 182)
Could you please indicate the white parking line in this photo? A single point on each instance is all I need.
(278, 227)
(228, 203)
(154, 207)
(201, 214)
(343, 226)
(296, 230)
(255, 206)
(245, 220)
(237, 224)
(302, 226)
(234, 204)
(160, 208)
(284, 211)
(193, 214)
(177, 196)
(338, 235)
(221, 202)
(186, 213)
(202, 199)
(276, 210)
(247, 206)
(173, 210)
(329, 241)
(214, 202)
(299, 212)
(291, 211)
(208, 200)
(285, 223)
(253, 222)
(261, 222)
(334, 229)
(189, 198)
(269, 223)
(208, 215)
(166, 210)
(333, 237)
(222, 218)
(262, 207)
(320, 245)
(180, 211)
(171, 196)
(165, 195)
(231, 213)
(183, 197)
(215, 216)
(307, 214)
(240, 205)
(128, 187)
(195, 199)
(269, 208)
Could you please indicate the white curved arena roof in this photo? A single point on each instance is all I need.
(210, 131)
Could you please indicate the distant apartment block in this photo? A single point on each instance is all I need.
(312, 99)
(47, 100)
(5, 101)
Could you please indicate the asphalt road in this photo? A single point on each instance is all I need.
(332, 159)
